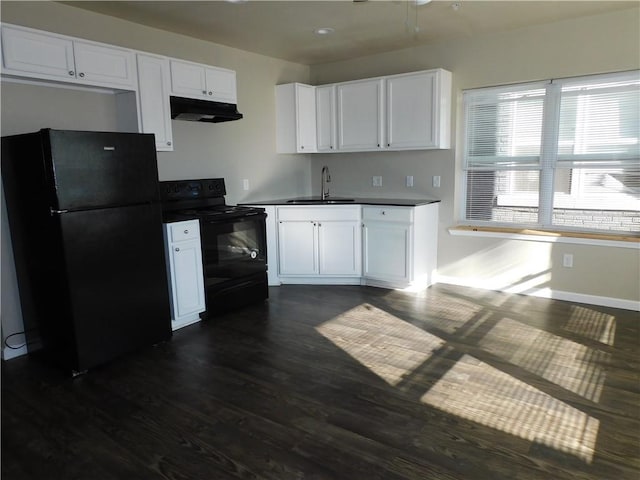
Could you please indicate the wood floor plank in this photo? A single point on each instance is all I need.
(346, 382)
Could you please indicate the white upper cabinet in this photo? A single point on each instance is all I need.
(153, 97)
(326, 118)
(221, 84)
(142, 82)
(105, 65)
(203, 82)
(360, 115)
(35, 54)
(418, 110)
(295, 118)
(410, 111)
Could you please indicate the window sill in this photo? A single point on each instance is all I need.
(599, 239)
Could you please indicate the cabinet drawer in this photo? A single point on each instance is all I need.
(320, 213)
(188, 230)
(390, 214)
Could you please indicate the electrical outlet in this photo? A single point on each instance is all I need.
(409, 180)
(377, 181)
(436, 181)
(567, 260)
(245, 184)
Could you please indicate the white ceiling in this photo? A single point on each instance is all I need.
(285, 29)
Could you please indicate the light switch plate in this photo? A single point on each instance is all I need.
(377, 181)
(409, 180)
(436, 181)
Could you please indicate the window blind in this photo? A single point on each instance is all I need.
(562, 154)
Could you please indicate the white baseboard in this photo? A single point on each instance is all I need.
(284, 280)
(546, 293)
(9, 353)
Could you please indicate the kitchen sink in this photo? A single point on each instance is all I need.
(314, 201)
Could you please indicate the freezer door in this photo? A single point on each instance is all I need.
(117, 282)
(100, 169)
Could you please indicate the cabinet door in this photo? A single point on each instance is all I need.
(411, 111)
(295, 118)
(306, 118)
(221, 85)
(387, 251)
(326, 118)
(339, 250)
(187, 278)
(188, 79)
(297, 248)
(155, 111)
(360, 115)
(104, 65)
(38, 54)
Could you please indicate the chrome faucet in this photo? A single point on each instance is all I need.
(326, 178)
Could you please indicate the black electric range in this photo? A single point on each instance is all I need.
(233, 238)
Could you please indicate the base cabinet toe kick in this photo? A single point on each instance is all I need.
(379, 245)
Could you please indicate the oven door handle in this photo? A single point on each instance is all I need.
(234, 219)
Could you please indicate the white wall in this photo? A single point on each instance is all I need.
(597, 44)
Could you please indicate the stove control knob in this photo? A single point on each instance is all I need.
(254, 254)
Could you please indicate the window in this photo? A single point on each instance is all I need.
(558, 155)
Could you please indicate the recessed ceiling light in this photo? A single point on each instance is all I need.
(323, 31)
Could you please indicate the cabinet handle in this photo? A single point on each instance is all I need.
(210, 93)
(388, 144)
(72, 73)
(319, 224)
(383, 212)
(204, 92)
(301, 147)
(378, 144)
(186, 232)
(81, 75)
(177, 249)
(169, 144)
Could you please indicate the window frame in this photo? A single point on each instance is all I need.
(550, 159)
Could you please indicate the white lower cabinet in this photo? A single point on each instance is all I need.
(386, 251)
(399, 245)
(339, 248)
(298, 247)
(316, 244)
(384, 246)
(184, 268)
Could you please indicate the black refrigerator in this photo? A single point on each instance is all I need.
(86, 231)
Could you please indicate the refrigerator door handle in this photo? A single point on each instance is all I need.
(53, 212)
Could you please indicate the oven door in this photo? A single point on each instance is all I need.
(233, 249)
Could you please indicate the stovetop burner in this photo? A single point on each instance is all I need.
(203, 199)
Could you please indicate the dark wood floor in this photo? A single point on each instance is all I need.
(346, 383)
